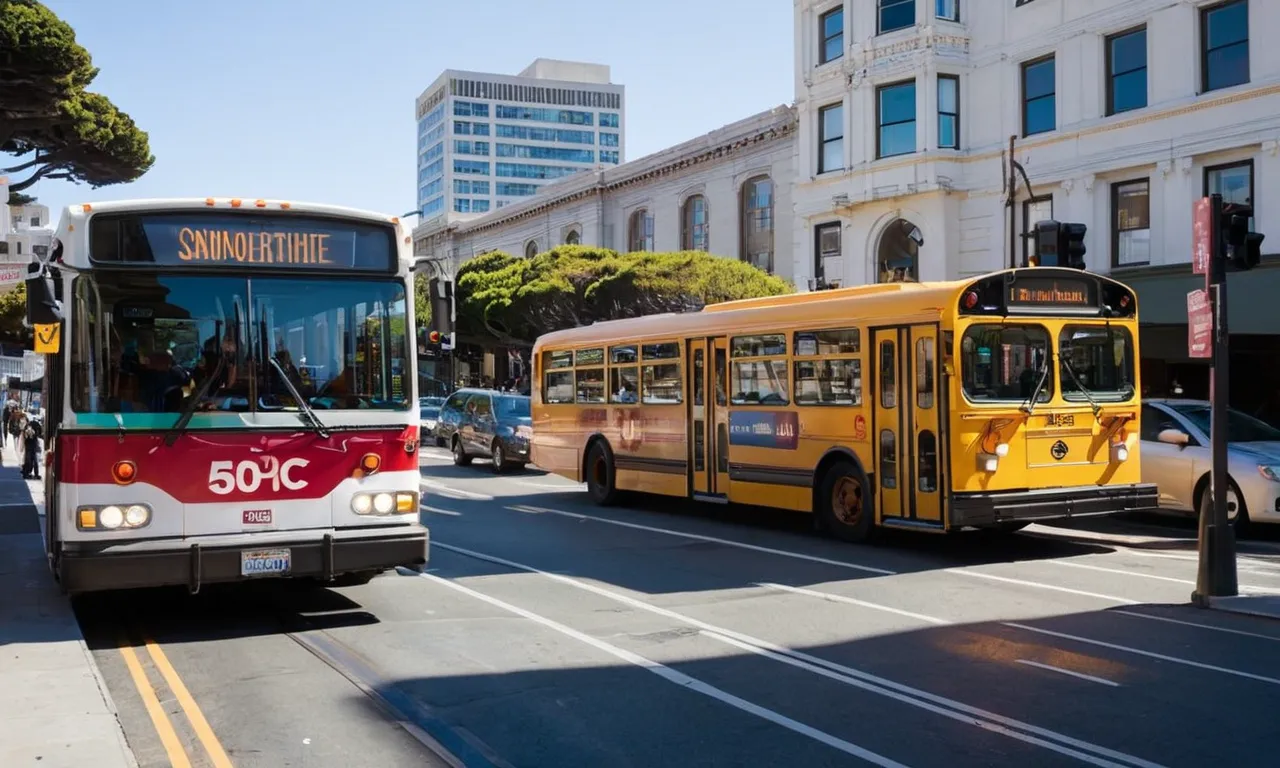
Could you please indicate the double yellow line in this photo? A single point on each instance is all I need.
(164, 727)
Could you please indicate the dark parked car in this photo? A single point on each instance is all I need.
(484, 422)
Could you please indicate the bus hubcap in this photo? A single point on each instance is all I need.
(846, 500)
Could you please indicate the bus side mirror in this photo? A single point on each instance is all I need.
(43, 307)
(1174, 437)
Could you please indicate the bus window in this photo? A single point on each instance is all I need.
(1003, 363)
(924, 373)
(1096, 362)
(557, 387)
(666, 351)
(760, 382)
(831, 378)
(588, 357)
(888, 376)
(662, 384)
(624, 374)
(590, 385)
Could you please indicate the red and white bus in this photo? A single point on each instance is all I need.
(230, 392)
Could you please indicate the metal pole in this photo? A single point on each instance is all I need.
(1217, 572)
(1013, 207)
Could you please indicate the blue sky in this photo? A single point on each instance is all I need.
(314, 99)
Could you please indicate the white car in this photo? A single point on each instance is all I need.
(1177, 457)
(428, 416)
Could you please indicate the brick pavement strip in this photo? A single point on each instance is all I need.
(54, 708)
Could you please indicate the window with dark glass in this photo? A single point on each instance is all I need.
(924, 372)
(888, 459)
(624, 374)
(1127, 71)
(1005, 363)
(894, 14)
(831, 138)
(531, 249)
(590, 385)
(1039, 96)
(831, 27)
(828, 266)
(1035, 210)
(640, 231)
(758, 372)
(948, 112)
(1224, 45)
(1097, 363)
(888, 375)
(1234, 181)
(757, 222)
(948, 10)
(694, 230)
(927, 462)
(1131, 222)
(896, 119)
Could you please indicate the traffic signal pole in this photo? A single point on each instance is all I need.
(1216, 576)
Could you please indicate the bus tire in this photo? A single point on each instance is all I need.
(844, 503)
(460, 457)
(601, 477)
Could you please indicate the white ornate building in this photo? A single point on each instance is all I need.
(727, 192)
(1122, 112)
(25, 230)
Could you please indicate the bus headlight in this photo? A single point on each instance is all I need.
(384, 503)
(113, 517)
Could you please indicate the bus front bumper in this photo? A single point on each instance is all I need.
(323, 554)
(986, 510)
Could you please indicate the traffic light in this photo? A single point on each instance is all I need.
(1244, 248)
(433, 337)
(1060, 244)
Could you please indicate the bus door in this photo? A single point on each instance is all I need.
(709, 417)
(906, 423)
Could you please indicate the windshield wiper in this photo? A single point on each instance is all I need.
(181, 424)
(1030, 405)
(303, 405)
(1066, 366)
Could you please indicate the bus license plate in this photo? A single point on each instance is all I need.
(264, 562)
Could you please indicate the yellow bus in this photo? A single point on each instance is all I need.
(981, 403)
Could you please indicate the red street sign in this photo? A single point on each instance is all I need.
(1199, 324)
(1201, 236)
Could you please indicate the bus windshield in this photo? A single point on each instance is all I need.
(1097, 362)
(146, 343)
(1005, 363)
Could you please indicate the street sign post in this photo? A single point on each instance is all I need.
(1199, 325)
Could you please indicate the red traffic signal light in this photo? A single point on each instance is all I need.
(434, 337)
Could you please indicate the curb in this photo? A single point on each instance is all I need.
(1247, 605)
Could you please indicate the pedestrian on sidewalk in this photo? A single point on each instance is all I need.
(4, 425)
(32, 433)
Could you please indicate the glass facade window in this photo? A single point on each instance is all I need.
(462, 127)
(609, 120)
(479, 206)
(462, 205)
(1233, 181)
(435, 134)
(1127, 71)
(694, 230)
(434, 151)
(1039, 96)
(513, 189)
(471, 147)
(947, 10)
(431, 170)
(470, 109)
(1224, 45)
(948, 112)
(432, 189)
(894, 14)
(831, 138)
(534, 133)
(896, 119)
(640, 231)
(608, 139)
(432, 207)
(563, 154)
(475, 167)
(609, 156)
(757, 222)
(526, 171)
(469, 187)
(1131, 223)
(831, 27)
(544, 115)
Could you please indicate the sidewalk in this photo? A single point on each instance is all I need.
(55, 711)
(1267, 606)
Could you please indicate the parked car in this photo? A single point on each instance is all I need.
(428, 415)
(484, 422)
(1177, 457)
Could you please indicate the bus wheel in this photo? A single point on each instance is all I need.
(600, 476)
(844, 506)
(460, 456)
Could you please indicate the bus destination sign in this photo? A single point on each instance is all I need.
(253, 240)
(1055, 291)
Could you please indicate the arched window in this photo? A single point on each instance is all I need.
(757, 222)
(898, 253)
(640, 231)
(694, 229)
(531, 249)
(573, 238)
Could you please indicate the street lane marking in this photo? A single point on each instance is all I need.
(164, 728)
(1038, 585)
(991, 727)
(212, 746)
(679, 678)
(1197, 624)
(884, 686)
(1148, 654)
(700, 537)
(855, 601)
(1073, 673)
(1141, 575)
(450, 491)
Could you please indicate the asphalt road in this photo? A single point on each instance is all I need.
(551, 633)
